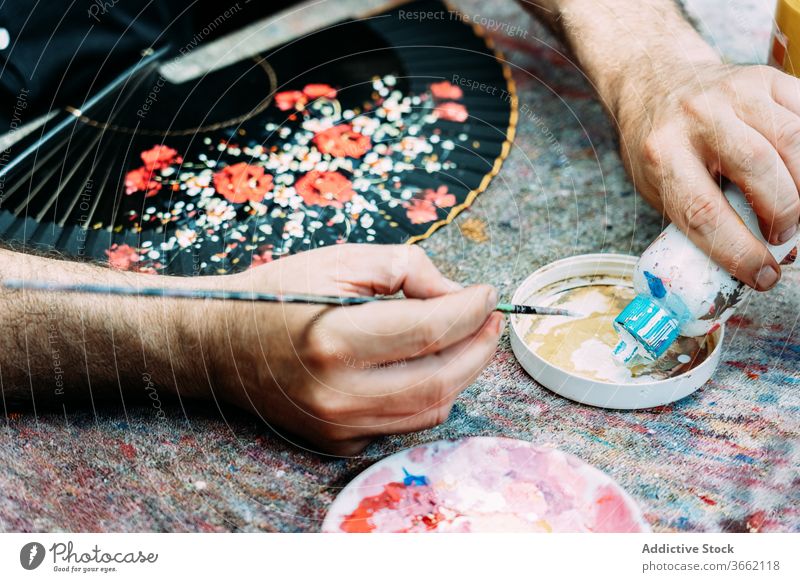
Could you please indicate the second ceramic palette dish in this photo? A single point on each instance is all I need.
(572, 357)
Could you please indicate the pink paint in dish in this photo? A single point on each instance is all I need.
(483, 484)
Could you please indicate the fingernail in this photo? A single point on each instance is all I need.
(499, 325)
(491, 299)
(766, 278)
(787, 234)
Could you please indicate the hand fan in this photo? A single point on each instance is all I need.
(365, 131)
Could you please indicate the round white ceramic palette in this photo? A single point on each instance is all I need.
(483, 484)
(575, 374)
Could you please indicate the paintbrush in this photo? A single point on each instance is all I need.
(247, 296)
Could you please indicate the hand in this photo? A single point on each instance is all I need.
(338, 377)
(692, 123)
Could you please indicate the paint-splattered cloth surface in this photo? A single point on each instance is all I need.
(725, 458)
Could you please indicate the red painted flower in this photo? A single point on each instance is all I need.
(317, 90)
(286, 100)
(446, 90)
(324, 188)
(141, 180)
(420, 211)
(341, 141)
(243, 183)
(262, 256)
(160, 156)
(450, 111)
(122, 257)
(440, 197)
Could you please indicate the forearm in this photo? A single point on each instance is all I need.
(67, 346)
(623, 45)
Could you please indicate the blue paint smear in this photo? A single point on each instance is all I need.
(745, 458)
(682, 523)
(768, 398)
(410, 479)
(595, 438)
(657, 288)
(650, 491)
(786, 350)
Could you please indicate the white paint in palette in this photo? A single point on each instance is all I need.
(593, 356)
(592, 302)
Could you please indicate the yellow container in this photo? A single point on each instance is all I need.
(785, 46)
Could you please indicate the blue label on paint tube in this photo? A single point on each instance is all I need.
(653, 327)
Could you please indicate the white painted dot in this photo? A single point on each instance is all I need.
(5, 39)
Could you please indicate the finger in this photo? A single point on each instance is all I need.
(428, 381)
(779, 126)
(786, 91)
(419, 394)
(695, 203)
(343, 448)
(357, 269)
(387, 269)
(407, 328)
(750, 159)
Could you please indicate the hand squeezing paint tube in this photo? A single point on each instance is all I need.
(681, 291)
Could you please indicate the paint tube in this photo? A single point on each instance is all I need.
(681, 291)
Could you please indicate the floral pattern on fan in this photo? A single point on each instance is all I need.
(326, 175)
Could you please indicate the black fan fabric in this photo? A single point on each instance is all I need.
(376, 130)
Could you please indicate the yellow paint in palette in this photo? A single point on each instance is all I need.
(583, 346)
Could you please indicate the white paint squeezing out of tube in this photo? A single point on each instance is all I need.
(681, 291)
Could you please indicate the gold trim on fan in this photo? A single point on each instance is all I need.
(261, 61)
(506, 149)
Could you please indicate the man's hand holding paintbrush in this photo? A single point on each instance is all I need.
(336, 377)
